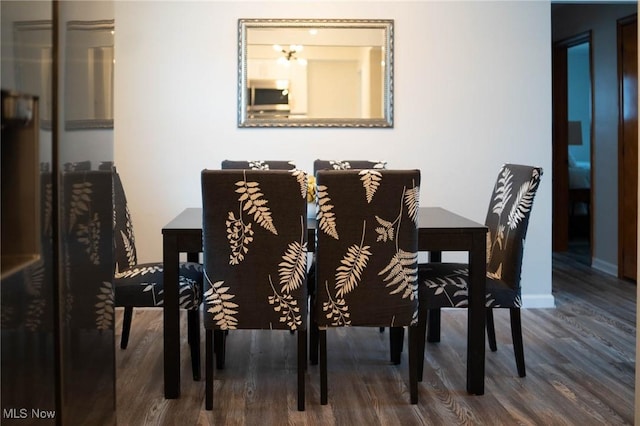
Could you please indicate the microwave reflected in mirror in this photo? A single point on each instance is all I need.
(268, 98)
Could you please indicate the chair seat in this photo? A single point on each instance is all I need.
(447, 284)
(142, 285)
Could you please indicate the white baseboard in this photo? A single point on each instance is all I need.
(538, 301)
(606, 267)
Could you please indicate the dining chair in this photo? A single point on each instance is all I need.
(366, 256)
(255, 259)
(446, 285)
(347, 164)
(258, 165)
(86, 249)
(252, 165)
(142, 285)
(334, 165)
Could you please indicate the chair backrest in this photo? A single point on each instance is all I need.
(346, 165)
(255, 249)
(87, 249)
(258, 165)
(367, 247)
(508, 219)
(79, 166)
(124, 250)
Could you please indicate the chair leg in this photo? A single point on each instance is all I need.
(126, 327)
(313, 335)
(209, 354)
(396, 339)
(322, 335)
(302, 366)
(491, 330)
(433, 331)
(516, 335)
(193, 330)
(421, 331)
(413, 364)
(313, 325)
(219, 346)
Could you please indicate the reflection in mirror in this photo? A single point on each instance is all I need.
(32, 50)
(315, 73)
(89, 74)
(579, 104)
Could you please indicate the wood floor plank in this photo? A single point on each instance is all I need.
(580, 359)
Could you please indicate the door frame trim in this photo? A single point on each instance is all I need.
(619, 24)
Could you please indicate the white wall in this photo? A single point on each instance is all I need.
(472, 91)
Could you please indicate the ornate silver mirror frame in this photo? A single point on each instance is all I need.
(315, 73)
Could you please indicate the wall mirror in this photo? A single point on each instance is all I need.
(315, 73)
(32, 44)
(89, 74)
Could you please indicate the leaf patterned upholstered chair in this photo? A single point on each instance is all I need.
(367, 256)
(255, 258)
(446, 284)
(347, 164)
(141, 284)
(334, 165)
(253, 165)
(258, 165)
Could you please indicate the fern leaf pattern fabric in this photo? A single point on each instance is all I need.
(258, 164)
(366, 259)
(87, 248)
(507, 219)
(255, 249)
(142, 284)
(347, 165)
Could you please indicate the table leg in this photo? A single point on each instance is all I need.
(476, 315)
(194, 328)
(171, 317)
(433, 323)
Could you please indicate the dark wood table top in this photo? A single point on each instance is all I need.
(428, 218)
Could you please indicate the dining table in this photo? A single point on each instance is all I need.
(439, 230)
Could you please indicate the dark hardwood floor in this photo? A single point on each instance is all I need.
(580, 361)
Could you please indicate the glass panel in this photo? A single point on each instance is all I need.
(28, 355)
(85, 215)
